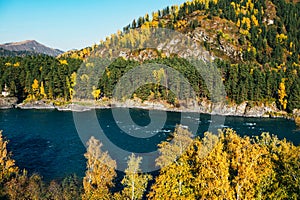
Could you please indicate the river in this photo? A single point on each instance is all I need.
(51, 142)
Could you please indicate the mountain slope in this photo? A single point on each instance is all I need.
(7, 53)
(265, 32)
(30, 46)
(256, 45)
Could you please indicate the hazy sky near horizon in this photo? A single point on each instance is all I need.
(70, 24)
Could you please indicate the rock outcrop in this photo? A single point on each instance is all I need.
(296, 115)
(8, 102)
(36, 105)
(244, 109)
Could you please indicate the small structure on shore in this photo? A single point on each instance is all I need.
(5, 92)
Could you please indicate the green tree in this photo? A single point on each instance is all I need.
(71, 188)
(294, 96)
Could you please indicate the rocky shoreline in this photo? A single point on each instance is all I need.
(244, 109)
(8, 102)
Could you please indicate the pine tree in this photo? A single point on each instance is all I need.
(294, 97)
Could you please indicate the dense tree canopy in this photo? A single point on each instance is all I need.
(37, 77)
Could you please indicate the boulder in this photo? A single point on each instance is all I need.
(260, 110)
(8, 102)
(36, 105)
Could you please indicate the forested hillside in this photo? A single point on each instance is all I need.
(37, 77)
(255, 44)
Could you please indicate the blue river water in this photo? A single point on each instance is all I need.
(48, 142)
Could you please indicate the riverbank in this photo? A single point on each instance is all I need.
(8, 102)
(245, 109)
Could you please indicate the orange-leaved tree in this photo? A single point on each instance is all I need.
(174, 180)
(100, 172)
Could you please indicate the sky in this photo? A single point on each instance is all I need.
(70, 24)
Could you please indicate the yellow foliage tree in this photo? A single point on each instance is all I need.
(63, 62)
(212, 169)
(135, 182)
(72, 84)
(146, 25)
(100, 172)
(17, 64)
(247, 21)
(249, 163)
(154, 24)
(86, 52)
(159, 75)
(254, 20)
(238, 23)
(34, 90)
(96, 93)
(155, 16)
(281, 38)
(174, 181)
(282, 94)
(151, 97)
(42, 91)
(7, 165)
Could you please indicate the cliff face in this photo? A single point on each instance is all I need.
(7, 102)
(244, 109)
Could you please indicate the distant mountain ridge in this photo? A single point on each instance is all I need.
(7, 53)
(30, 46)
